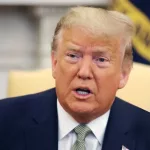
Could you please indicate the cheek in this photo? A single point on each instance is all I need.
(64, 79)
(108, 82)
(107, 86)
(65, 73)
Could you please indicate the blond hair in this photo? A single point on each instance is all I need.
(98, 21)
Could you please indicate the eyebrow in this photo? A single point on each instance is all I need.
(102, 51)
(96, 49)
(74, 47)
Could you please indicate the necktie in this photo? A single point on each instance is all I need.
(81, 131)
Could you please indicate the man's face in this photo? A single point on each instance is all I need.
(88, 72)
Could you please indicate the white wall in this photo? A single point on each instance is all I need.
(54, 2)
(3, 84)
(25, 35)
(17, 38)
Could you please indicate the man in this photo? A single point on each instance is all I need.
(91, 60)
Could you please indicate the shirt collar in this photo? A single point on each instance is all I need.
(66, 123)
(98, 126)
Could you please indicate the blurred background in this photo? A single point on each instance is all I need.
(27, 26)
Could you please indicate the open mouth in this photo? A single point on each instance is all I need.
(83, 91)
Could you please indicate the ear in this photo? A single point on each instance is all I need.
(54, 63)
(124, 77)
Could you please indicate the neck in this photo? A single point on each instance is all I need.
(84, 118)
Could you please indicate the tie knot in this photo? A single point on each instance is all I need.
(82, 131)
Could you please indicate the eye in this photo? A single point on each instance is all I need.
(101, 61)
(72, 55)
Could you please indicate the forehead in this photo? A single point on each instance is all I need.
(79, 37)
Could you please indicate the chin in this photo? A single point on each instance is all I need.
(81, 108)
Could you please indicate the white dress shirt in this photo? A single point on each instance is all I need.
(67, 137)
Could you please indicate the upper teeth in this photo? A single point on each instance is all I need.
(82, 92)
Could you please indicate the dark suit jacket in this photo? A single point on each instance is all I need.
(31, 123)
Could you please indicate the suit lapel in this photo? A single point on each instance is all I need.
(42, 133)
(42, 137)
(115, 139)
(119, 131)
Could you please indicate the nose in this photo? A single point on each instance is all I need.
(85, 69)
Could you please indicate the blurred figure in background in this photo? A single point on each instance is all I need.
(91, 60)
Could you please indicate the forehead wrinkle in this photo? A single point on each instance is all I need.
(101, 46)
(112, 44)
(72, 45)
(96, 46)
(96, 50)
(72, 35)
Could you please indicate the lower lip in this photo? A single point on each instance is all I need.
(79, 96)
